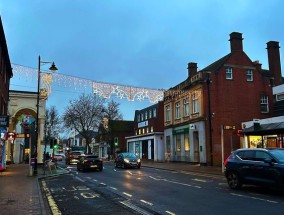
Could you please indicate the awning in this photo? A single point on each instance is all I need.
(265, 129)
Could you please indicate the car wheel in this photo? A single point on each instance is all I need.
(234, 181)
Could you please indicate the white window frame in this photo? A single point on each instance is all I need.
(186, 110)
(177, 112)
(168, 113)
(229, 73)
(195, 103)
(249, 74)
(154, 112)
(264, 104)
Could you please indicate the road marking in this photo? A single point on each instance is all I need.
(50, 199)
(127, 194)
(251, 197)
(135, 208)
(89, 195)
(174, 182)
(113, 188)
(169, 212)
(148, 203)
(199, 180)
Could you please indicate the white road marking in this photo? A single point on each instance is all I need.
(134, 207)
(174, 182)
(148, 203)
(251, 197)
(199, 180)
(169, 212)
(127, 194)
(113, 188)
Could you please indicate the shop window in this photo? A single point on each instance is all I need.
(186, 142)
(178, 142)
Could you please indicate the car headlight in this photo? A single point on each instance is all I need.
(126, 160)
(138, 161)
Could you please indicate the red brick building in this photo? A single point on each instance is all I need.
(219, 97)
(5, 73)
(147, 142)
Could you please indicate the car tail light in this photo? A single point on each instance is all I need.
(226, 161)
(71, 156)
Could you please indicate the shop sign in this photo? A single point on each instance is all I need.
(142, 124)
(181, 131)
(4, 121)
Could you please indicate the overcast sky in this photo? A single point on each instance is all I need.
(143, 43)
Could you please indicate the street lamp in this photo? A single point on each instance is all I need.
(52, 68)
(208, 81)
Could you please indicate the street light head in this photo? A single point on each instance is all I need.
(53, 67)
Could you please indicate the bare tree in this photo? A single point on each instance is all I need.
(53, 123)
(111, 112)
(84, 115)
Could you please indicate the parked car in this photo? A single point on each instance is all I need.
(90, 162)
(57, 157)
(258, 166)
(127, 159)
(73, 157)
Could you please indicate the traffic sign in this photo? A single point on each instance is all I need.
(229, 127)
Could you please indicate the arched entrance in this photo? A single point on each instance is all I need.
(22, 111)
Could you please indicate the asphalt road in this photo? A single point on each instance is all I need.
(166, 192)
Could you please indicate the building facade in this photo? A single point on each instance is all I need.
(148, 139)
(203, 113)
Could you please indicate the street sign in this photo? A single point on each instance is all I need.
(4, 121)
(229, 127)
(10, 136)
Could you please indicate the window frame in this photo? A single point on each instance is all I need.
(177, 110)
(264, 105)
(229, 73)
(249, 75)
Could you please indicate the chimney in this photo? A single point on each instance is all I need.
(273, 50)
(236, 42)
(257, 65)
(192, 69)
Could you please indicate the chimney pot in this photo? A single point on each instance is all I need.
(236, 41)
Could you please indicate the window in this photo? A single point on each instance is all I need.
(142, 116)
(178, 142)
(186, 142)
(280, 97)
(147, 130)
(178, 110)
(150, 114)
(154, 112)
(152, 129)
(168, 113)
(146, 115)
(249, 75)
(186, 107)
(264, 104)
(229, 73)
(195, 106)
(168, 144)
(138, 117)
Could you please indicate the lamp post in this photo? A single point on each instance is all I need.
(208, 81)
(52, 68)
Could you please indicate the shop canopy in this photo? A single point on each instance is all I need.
(265, 129)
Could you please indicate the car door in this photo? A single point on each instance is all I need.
(266, 173)
(245, 165)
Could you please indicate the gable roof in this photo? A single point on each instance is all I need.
(214, 67)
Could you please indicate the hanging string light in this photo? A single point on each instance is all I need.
(103, 89)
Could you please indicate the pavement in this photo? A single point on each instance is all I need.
(20, 194)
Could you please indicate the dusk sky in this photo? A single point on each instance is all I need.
(142, 43)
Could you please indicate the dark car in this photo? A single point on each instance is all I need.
(260, 167)
(127, 159)
(90, 162)
(73, 157)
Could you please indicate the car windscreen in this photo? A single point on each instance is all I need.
(128, 155)
(91, 157)
(278, 154)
